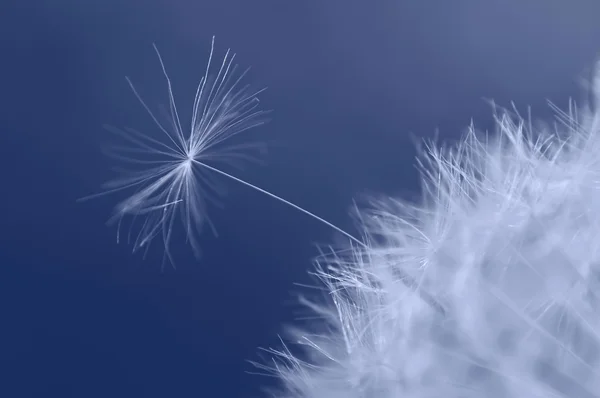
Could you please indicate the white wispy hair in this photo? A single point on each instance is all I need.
(172, 175)
(502, 256)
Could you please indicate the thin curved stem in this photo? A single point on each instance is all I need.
(287, 202)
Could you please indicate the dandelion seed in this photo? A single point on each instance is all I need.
(174, 174)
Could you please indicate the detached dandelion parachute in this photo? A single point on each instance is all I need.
(506, 240)
(172, 176)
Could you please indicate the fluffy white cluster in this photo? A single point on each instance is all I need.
(487, 288)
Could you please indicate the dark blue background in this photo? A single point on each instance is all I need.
(348, 81)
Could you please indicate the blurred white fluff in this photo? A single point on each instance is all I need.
(505, 251)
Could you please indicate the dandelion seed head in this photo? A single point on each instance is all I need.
(506, 242)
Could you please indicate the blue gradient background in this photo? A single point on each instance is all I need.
(80, 316)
